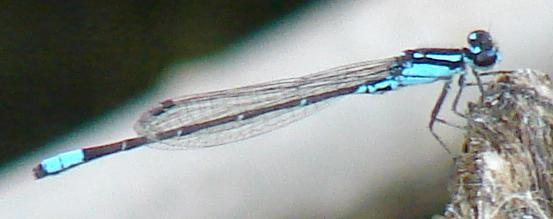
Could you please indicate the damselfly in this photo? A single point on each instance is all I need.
(220, 117)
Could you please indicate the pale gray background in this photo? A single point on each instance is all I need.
(364, 156)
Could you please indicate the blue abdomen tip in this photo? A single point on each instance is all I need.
(62, 161)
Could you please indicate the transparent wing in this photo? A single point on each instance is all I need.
(203, 108)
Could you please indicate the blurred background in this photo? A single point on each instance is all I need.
(66, 63)
(79, 74)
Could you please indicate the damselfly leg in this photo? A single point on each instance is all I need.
(455, 104)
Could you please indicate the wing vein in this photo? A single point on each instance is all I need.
(220, 117)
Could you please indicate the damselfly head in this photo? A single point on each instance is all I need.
(482, 52)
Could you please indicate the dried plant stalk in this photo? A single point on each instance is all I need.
(505, 170)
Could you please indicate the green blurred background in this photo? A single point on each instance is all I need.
(63, 63)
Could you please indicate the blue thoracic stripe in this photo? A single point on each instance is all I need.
(446, 57)
(418, 55)
(429, 70)
(438, 56)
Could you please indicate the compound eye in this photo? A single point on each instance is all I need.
(480, 40)
(486, 59)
